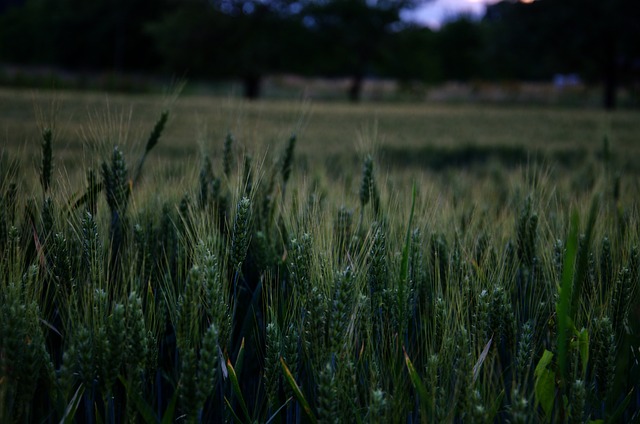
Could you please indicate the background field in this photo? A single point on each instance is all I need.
(407, 135)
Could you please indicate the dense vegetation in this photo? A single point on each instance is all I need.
(268, 288)
(251, 39)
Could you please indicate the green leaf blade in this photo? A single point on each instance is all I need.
(297, 392)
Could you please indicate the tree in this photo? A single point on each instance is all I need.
(354, 35)
(412, 55)
(244, 39)
(595, 38)
(602, 36)
(97, 34)
(460, 47)
(230, 38)
(514, 45)
(251, 38)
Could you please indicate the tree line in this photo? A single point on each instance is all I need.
(249, 39)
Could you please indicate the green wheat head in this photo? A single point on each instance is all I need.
(241, 233)
(46, 168)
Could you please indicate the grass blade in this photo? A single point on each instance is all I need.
(571, 284)
(417, 384)
(168, 416)
(72, 407)
(404, 267)
(74, 203)
(544, 386)
(142, 407)
(616, 417)
(582, 266)
(583, 348)
(235, 416)
(297, 392)
(235, 386)
(483, 356)
(563, 307)
(275, 414)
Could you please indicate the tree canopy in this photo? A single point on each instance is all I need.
(596, 39)
(358, 39)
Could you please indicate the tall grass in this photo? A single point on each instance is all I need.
(251, 294)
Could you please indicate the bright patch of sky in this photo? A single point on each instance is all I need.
(436, 12)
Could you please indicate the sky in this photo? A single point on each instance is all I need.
(435, 12)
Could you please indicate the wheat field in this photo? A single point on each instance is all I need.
(201, 259)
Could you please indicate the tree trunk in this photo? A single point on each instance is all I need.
(610, 89)
(355, 91)
(252, 87)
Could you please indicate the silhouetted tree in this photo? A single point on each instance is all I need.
(97, 34)
(244, 39)
(600, 36)
(353, 35)
(231, 38)
(460, 46)
(412, 55)
(597, 39)
(514, 46)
